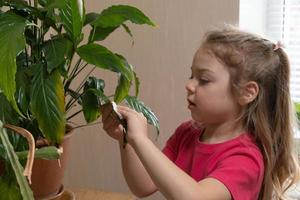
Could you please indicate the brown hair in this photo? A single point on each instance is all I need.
(269, 117)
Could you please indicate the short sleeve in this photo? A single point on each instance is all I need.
(173, 143)
(242, 174)
(171, 147)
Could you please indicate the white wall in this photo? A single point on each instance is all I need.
(162, 57)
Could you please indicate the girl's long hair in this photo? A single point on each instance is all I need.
(269, 117)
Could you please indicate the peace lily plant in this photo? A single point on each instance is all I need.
(42, 51)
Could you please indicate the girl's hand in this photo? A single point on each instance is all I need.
(136, 124)
(110, 124)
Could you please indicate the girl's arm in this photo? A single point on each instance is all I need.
(169, 179)
(134, 172)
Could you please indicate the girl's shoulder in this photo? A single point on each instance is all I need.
(187, 129)
(185, 133)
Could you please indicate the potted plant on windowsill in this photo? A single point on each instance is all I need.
(40, 41)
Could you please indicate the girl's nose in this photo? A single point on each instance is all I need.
(190, 85)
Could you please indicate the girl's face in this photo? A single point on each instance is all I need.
(208, 91)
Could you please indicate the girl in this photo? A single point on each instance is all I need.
(238, 144)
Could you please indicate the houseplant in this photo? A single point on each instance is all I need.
(40, 41)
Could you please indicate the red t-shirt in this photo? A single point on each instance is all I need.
(237, 163)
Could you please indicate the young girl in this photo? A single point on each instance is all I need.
(238, 144)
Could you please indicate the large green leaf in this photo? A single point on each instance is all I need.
(56, 51)
(139, 106)
(101, 57)
(90, 17)
(116, 15)
(124, 84)
(9, 116)
(90, 99)
(18, 169)
(9, 190)
(72, 16)
(12, 41)
(48, 105)
(98, 33)
(23, 83)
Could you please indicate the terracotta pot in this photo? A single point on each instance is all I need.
(47, 175)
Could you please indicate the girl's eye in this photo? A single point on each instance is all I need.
(203, 81)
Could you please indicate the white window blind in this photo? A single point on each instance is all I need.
(283, 24)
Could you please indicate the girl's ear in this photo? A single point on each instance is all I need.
(248, 93)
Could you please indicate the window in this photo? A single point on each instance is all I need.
(283, 24)
(278, 20)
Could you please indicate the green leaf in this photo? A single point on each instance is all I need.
(98, 33)
(116, 15)
(100, 56)
(18, 169)
(7, 113)
(139, 106)
(90, 17)
(137, 84)
(90, 106)
(90, 100)
(12, 41)
(48, 153)
(56, 51)
(48, 105)
(128, 31)
(23, 84)
(297, 106)
(9, 116)
(15, 3)
(51, 4)
(122, 89)
(124, 83)
(9, 190)
(72, 16)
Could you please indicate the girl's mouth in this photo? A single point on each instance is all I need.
(190, 103)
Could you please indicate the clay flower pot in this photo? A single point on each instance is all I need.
(47, 175)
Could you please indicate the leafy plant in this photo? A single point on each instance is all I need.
(37, 71)
(42, 52)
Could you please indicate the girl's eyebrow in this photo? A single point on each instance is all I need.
(197, 69)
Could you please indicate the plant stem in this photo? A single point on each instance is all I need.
(71, 77)
(73, 115)
(72, 74)
(36, 3)
(81, 68)
(91, 124)
(72, 101)
(85, 78)
(26, 57)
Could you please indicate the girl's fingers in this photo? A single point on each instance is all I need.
(110, 122)
(106, 111)
(125, 111)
